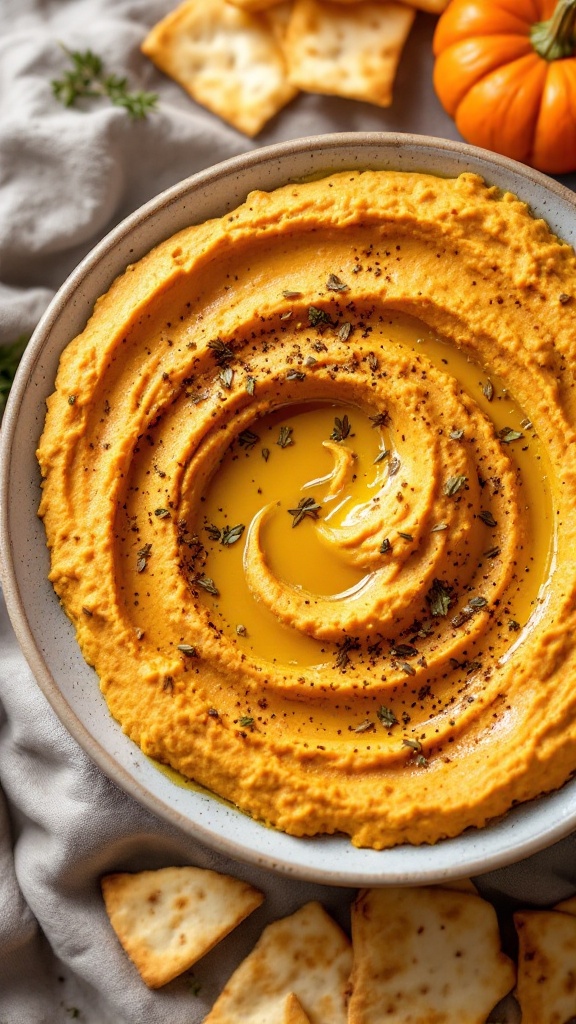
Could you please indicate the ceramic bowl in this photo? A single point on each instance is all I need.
(46, 635)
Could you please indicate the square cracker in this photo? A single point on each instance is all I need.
(546, 986)
(168, 919)
(426, 954)
(225, 58)
(347, 50)
(305, 954)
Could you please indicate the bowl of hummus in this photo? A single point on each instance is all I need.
(289, 508)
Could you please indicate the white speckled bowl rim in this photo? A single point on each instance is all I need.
(45, 634)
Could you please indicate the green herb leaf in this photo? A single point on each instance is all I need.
(246, 722)
(439, 598)
(265, 454)
(404, 651)
(295, 375)
(380, 419)
(143, 555)
(365, 726)
(247, 439)
(188, 649)
(345, 330)
(318, 316)
(387, 716)
(230, 534)
(341, 428)
(162, 513)
(206, 583)
(86, 79)
(385, 546)
(226, 376)
(349, 643)
(487, 518)
(250, 385)
(488, 390)
(507, 435)
(285, 437)
(414, 745)
(492, 553)
(306, 507)
(334, 284)
(222, 353)
(454, 484)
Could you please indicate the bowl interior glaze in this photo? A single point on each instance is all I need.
(47, 637)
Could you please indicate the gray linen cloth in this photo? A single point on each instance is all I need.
(66, 177)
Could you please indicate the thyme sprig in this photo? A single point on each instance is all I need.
(87, 78)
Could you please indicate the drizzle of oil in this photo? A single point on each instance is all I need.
(246, 481)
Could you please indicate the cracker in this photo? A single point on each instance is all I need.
(278, 19)
(305, 954)
(293, 1012)
(225, 58)
(546, 987)
(168, 919)
(347, 50)
(425, 954)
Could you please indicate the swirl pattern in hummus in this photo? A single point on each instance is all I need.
(309, 493)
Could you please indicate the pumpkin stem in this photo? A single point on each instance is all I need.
(556, 38)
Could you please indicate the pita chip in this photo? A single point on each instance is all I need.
(293, 1012)
(426, 954)
(546, 987)
(305, 955)
(168, 919)
(227, 59)
(347, 50)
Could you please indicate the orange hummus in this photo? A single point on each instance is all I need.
(309, 491)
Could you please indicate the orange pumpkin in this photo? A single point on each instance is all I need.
(505, 70)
